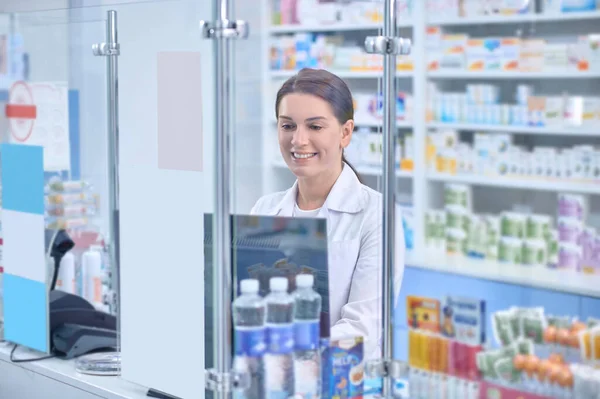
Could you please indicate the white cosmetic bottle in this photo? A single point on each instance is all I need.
(66, 274)
(92, 273)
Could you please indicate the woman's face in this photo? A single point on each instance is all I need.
(311, 139)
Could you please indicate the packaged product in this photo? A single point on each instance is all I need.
(552, 248)
(535, 252)
(493, 236)
(511, 250)
(456, 241)
(476, 245)
(435, 229)
(533, 324)
(572, 206)
(343, 368)
(458, 194)
(505, 370)
(570, 230)
(502, 327)
(423, 313)
(513, 224)
(538, 226)
(586, 381)
(588, 244)
(463, 319)
(569, 256)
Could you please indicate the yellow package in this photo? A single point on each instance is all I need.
(595, 344)
(424, 346)
(585, 345)
(413, 348)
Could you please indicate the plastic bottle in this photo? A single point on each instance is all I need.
(250, 339)
(307, 357)
(91, 269)
(279, 360)
(66, 274)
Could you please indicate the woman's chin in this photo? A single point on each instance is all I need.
(302, 170)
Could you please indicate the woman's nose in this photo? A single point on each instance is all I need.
(300, 137)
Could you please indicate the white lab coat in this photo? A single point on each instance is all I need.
(354, 228)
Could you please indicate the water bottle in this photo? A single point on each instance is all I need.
(250, 339)
(307, 357)
(279, 359)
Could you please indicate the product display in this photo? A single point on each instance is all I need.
(277, 344)
(443, 346)
(537, 355)
(494, 154)
(70, 204)
(317, 13)
(326, 51)
(510, 54)
(471, 8)
(480, 104)
(563, 242)
(366, 149)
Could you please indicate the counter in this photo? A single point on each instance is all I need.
(56, 378)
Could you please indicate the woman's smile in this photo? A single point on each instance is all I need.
(303, 156)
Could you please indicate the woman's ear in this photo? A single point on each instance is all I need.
(347, 129)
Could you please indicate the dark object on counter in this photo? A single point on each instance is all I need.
(77, 328)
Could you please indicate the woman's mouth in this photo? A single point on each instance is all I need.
(303, 155)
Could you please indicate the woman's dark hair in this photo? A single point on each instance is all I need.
(326, 86)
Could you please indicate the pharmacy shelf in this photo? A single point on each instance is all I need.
(343, 74)
(529, 276)
(515, 19)
(339, 27)
(364, 170)
(519, 75)
(521, 183)
(375, 124)
(399, 124)
(543, 131)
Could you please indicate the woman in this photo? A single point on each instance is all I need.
(314, 111)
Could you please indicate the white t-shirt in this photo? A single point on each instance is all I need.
(299, 213)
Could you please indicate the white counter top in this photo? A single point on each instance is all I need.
(63, 371)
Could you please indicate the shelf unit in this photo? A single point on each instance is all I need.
(340, 27)
(529, 130)
(515, 19)
(520, 183)
(425, 186)
(504, 75)
(342, 74)
(528, 276)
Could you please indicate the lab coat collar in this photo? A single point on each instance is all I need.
(345, 196)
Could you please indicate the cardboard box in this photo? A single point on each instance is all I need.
(342, 368)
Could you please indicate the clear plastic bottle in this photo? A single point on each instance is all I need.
(279, 360)
(250, 338)
(307, 356)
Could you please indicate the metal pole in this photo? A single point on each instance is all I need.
(389, 189)
(111, 50)
(113, 152)
(222, 221)
(223, 30)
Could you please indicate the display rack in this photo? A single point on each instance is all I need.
(426, 187)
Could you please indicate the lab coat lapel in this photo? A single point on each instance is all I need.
(286, 205)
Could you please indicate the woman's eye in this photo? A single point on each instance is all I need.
(317, 128)
(287, 126)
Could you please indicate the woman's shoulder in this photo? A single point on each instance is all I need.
(372, 198)
(267, 202)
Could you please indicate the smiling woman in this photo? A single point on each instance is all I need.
(315, 114)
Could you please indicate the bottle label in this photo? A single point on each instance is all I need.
(281, 339)
(250, 342)
(306, 335)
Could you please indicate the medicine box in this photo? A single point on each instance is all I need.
(342, 368)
